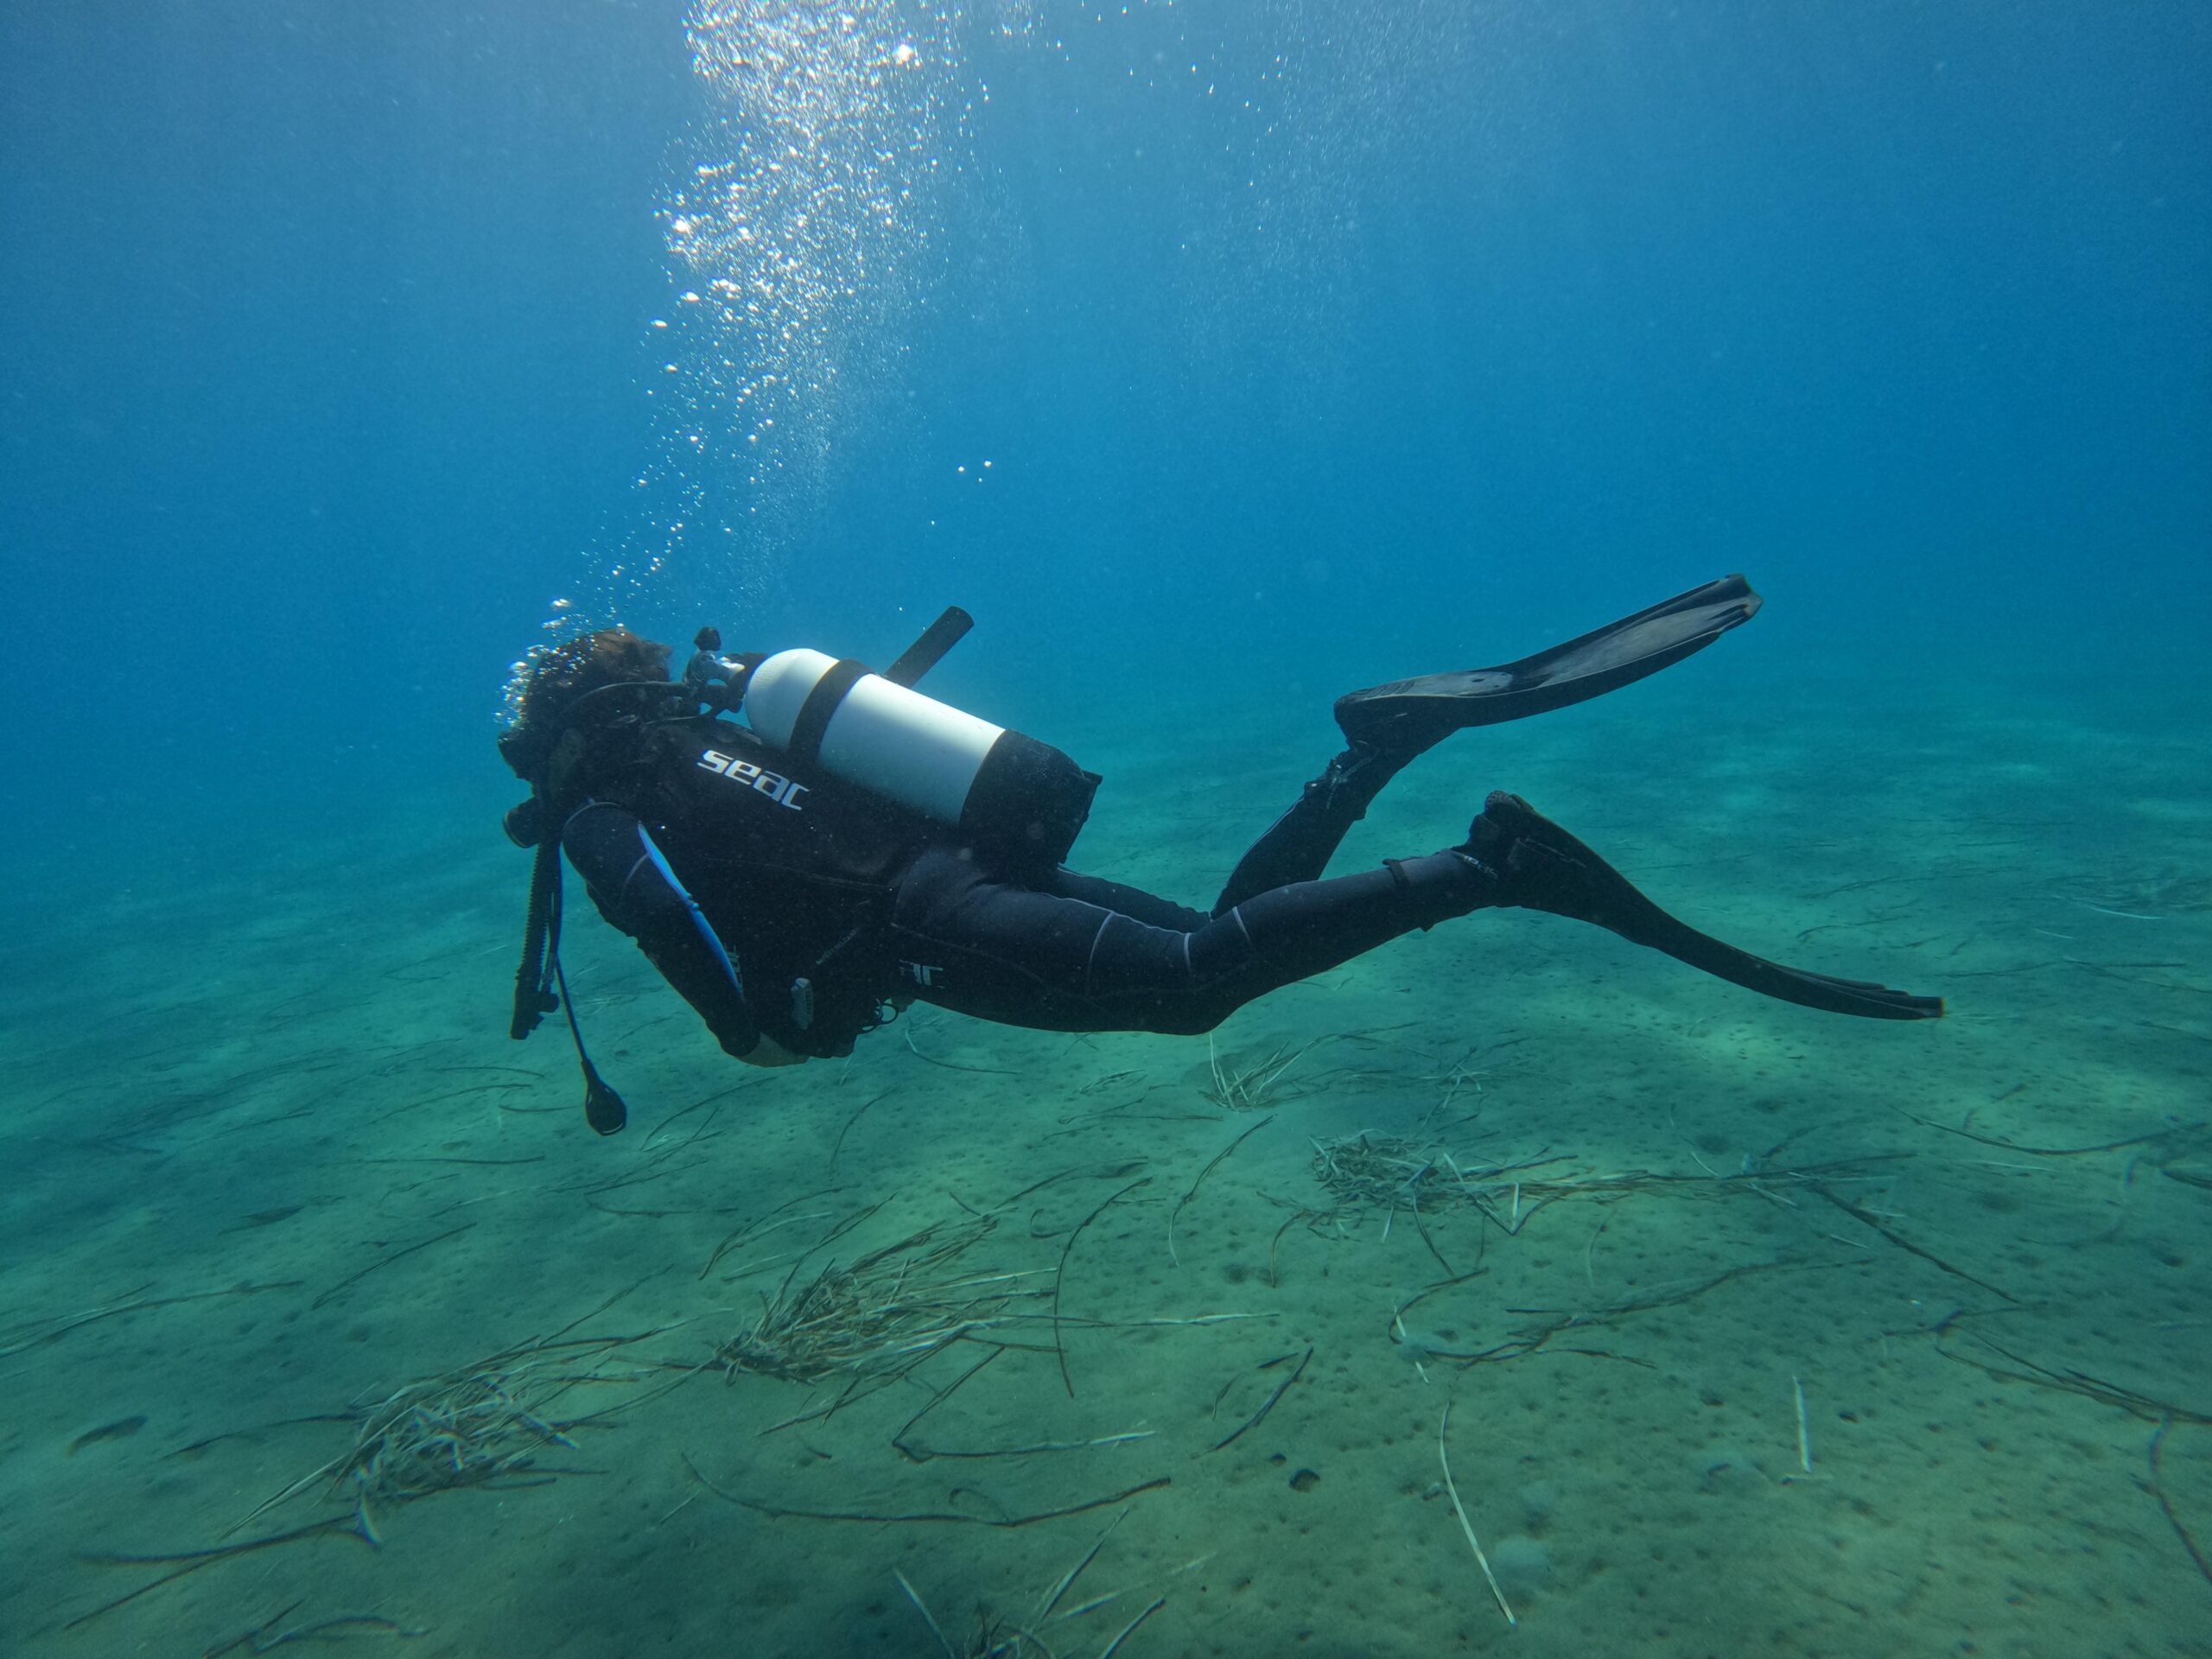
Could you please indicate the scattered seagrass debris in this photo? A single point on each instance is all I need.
(2157, 1489)
(775, 1219)
(1123, 1078)
(782, 1512)
(385, 1261)
(996, 1636)
(2065, 1380)
(1452, 1490)
(1546, 1324)
(2166, 1413)
(460, 1430)
(422, 1103)
(711, 1104)
(1297, 1215)
(1371, 1170)
(837, 1147)
(170, 1110)
(1060, 1274)
(1390, 1172)
(1266, 1405)
(955, 1065)
(2178, 1138)
(2145, 898)
(1475, 1066)
(186, 1561)
(915, 1452)
(270, 1635)
(1200, 1181)
(663, 1159)
(1093, 1172)
(873, 1319)
(1875, 1224)
(36, 1333)
(1258, 1081)
(1261, 1078)
(1367, 1172)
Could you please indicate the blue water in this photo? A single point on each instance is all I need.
(1228, 353)
(1287, 328)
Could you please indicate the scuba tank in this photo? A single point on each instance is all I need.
(997, 787)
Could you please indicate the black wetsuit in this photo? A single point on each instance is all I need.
(781, 902)
(785, 904)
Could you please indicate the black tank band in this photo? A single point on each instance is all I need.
(821, 703)
(1028, 798)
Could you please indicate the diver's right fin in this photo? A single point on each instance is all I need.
(1540, 866)
(1407, 716)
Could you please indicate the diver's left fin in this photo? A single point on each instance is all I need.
(1541, 866)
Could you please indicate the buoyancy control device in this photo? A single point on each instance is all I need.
(995, 787)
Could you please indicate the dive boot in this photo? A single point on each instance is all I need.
(1541, 866)
(1406, 716)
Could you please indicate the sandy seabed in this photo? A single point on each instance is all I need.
(272, 1160)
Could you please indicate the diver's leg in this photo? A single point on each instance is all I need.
(1059, 962)
(1298, 846)
(1147, 907)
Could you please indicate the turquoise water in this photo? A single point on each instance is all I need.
(1219, 357)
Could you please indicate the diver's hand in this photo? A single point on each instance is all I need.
(769, 1051)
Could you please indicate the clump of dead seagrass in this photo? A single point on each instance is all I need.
(486, 1422)
(1372, 1170)
(876, 1317)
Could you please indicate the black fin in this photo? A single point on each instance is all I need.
(1407, 716)
(1541, 866)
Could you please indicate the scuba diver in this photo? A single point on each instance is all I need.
(853, 846)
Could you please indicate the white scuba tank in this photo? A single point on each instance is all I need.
(994, 786)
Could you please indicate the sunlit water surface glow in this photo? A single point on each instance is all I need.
(802, 222)
(813, 199)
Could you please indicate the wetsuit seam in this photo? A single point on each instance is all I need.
(622, 893)
(1090, 959)
(975, 953)
(1085, 995)
(591, 806)
(953, 947)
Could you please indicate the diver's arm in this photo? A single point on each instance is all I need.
(636, 892)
